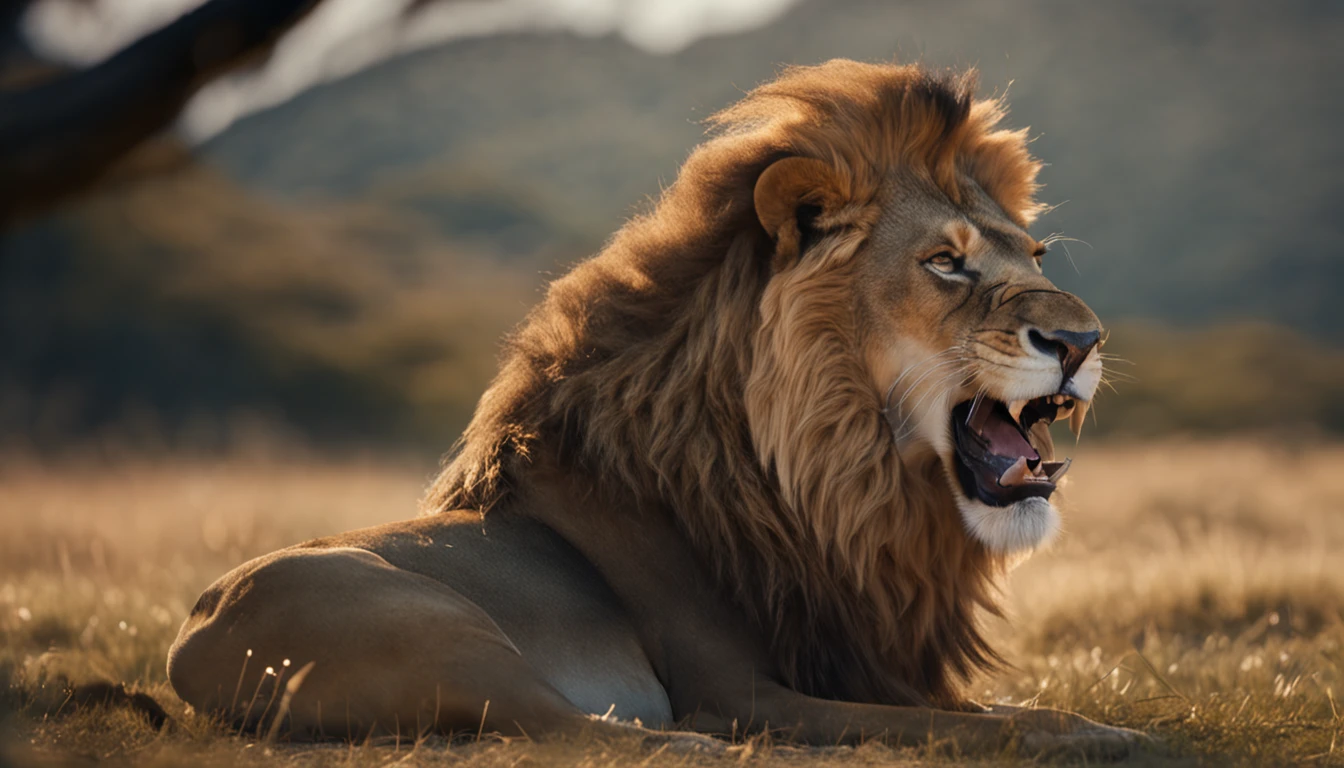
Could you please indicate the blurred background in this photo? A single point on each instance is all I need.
(312, 221)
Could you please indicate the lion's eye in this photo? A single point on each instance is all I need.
(944, 261)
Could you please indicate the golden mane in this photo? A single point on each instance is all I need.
(678, 372)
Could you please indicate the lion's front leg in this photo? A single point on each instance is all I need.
(1053, 732)
(1031, 732)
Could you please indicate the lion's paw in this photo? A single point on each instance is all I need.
(1054, 734)
(684, 743)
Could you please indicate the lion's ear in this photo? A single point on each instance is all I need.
(786, 191)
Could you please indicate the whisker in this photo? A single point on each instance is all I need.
(915, 385)
(886, 401)
(975, 401)
(1069, 255)
(891, 411)
(1005, 366)
(1060, 237)
(903, 434)
(930, 390)
(992, 349)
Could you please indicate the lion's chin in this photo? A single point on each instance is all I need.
(1021, 526)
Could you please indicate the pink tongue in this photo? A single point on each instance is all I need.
(1005, 440)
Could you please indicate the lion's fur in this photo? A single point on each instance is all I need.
(681, 372)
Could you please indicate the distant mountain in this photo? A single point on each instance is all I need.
(1195, 144)
(346, 263)
(185, 308)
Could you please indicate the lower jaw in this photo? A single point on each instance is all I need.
(1002, 497)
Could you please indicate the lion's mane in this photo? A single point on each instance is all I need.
(680, 370)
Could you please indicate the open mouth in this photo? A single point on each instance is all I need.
(995, 460)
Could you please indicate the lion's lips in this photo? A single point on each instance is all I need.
(996, 462)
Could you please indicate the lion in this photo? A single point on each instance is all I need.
(757, 465)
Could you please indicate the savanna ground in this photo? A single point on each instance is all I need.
(1196, 594)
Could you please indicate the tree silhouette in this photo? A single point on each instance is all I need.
(62, 134)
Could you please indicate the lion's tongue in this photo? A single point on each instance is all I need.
(1004, 439)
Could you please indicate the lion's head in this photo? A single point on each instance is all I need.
(974, 350)
(831, 355)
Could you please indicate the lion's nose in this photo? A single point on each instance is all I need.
(1071, 347)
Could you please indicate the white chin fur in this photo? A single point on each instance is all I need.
(1023, 525)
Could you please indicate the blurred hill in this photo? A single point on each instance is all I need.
(184, 310)
(345, 263)
(1194, 145)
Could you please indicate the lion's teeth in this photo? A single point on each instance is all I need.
(1016, 474)
(1015, 408)
(1076, 418)
(1060, 470)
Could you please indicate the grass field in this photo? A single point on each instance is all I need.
(1196, 594)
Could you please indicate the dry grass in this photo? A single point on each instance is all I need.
(1197, 594)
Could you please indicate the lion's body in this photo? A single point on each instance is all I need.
(681, 500)
(531, 589)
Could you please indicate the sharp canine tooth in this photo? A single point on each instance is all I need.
(1016, 474)
(1015, 408)
(1076, 418)
(1058, 473)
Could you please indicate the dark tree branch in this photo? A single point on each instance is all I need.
(59, 137)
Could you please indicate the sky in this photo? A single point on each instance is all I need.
(344, 36)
